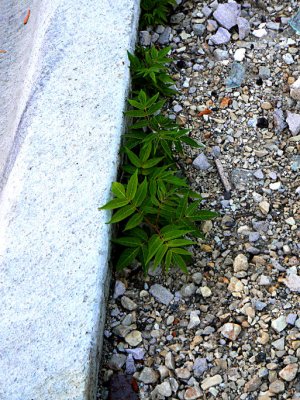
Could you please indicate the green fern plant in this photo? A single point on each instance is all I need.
(149, 69)
(155, 12)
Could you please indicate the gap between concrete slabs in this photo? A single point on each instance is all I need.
(54, 243)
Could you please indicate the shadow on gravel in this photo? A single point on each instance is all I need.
(123, 387)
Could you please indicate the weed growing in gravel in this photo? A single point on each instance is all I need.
(155, 12)
(153, 205)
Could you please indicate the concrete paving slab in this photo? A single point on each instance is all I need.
(54, 243)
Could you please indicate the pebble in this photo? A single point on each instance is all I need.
(289, 372)
(192, 393)
(259, 33)
(264, 72)
(277, 387)
(293, 121)
(239, 54)
(134, 338)
(119, 289)
(279, 324)
(128, 304)
(221, 55)
(295, 90)
(201, 162)
(169, 361)
(145, 38)
(227, 14)
(222, 36)
(292, 281)
(200, 366)
(148, 376)
(117, 361)
(275, 185)
(205, 291)
(161, 294)
(194, 320)
(138, 353)
(279, 344)
(253, 385)
(199, 29)
(264, 207)
(231, 331)
(240, 263)
(188, 290)
(288, 59)
(244, 27)
(211, 381)
(164, 389)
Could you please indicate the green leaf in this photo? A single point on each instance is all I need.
(122, 214)
(154, 245)
(168, 260)
(151, 163)
(141, 193)
(132, 186)
(180, 242)
(178, 250)
(204, 215)
(128, 241)
(145, 152)
(136, 113)
(140, 233)
(174, 233)
(180, 262)
(191, 142)
(115, 203)
(118, 190)
(126, 258)
(133, 158)
(160, 255)
(134, 221)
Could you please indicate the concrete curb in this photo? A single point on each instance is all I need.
(54, 246)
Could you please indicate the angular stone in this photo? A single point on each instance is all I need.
(161, 294)
(119, 289)
(145, 38)
(164, 38)
(264, 72)
(240, 263)
(279, 344)
(239, 54)
(199, 29)
(279, 120)
(264, 207)
(211, 381)
(128, 304)
(130, 365)
(292, 281)
(148, 375)
(183, 373)
(200, 366)
(117, 361)
(253, 385)
(289, 372)
(169, 361)
(193, 393)
(188, 290)
(138, 353)
(235, 286)
(231, 331)
(221, 55)
(134, 338)
(293, 121)
(201, 162)
(277, 387)
(244, 27)
(164, 389)
(295, 90)
(222, 36)
(227, 14)
(279, 324)
(194, 320)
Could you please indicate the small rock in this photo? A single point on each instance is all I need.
(164, 389)
(239, 54)
(221, 55)
(119, 289)
(199, 29)
(192, 393)
(264, 280)
(205, 291)
(264, 72)
(244, 27)
(291, 318)
(164, 38)
(279, 324)
(227, 14)
(266, 105)
(259, 33)
(288, 59)
(161, 294)
(222, 36)
(201, 162)
(197, 277)
(117, 361)
(138, 353)
(188, 290)
(253, 385)
(277, 387)
(182, 373)
(194, 320)
(128, 304)
(169, 361)
(264, 207)
(235, 286)
(211, 381)
(134, 338)
(259, 174)
(259, 305)
(292, 281)
(290, 221)
(275, 185)
(177, 18)
(279, 120)
(130, 365)
(293, 121)
(295, 90)
(231, 331)
(148, 376)
(145, 38)
(289, 372)
(200, 366)
(279, 344)
(212, 25)
(240, 263)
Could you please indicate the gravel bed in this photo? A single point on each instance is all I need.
(231, 328)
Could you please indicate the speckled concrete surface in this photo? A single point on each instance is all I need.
(54, 241)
